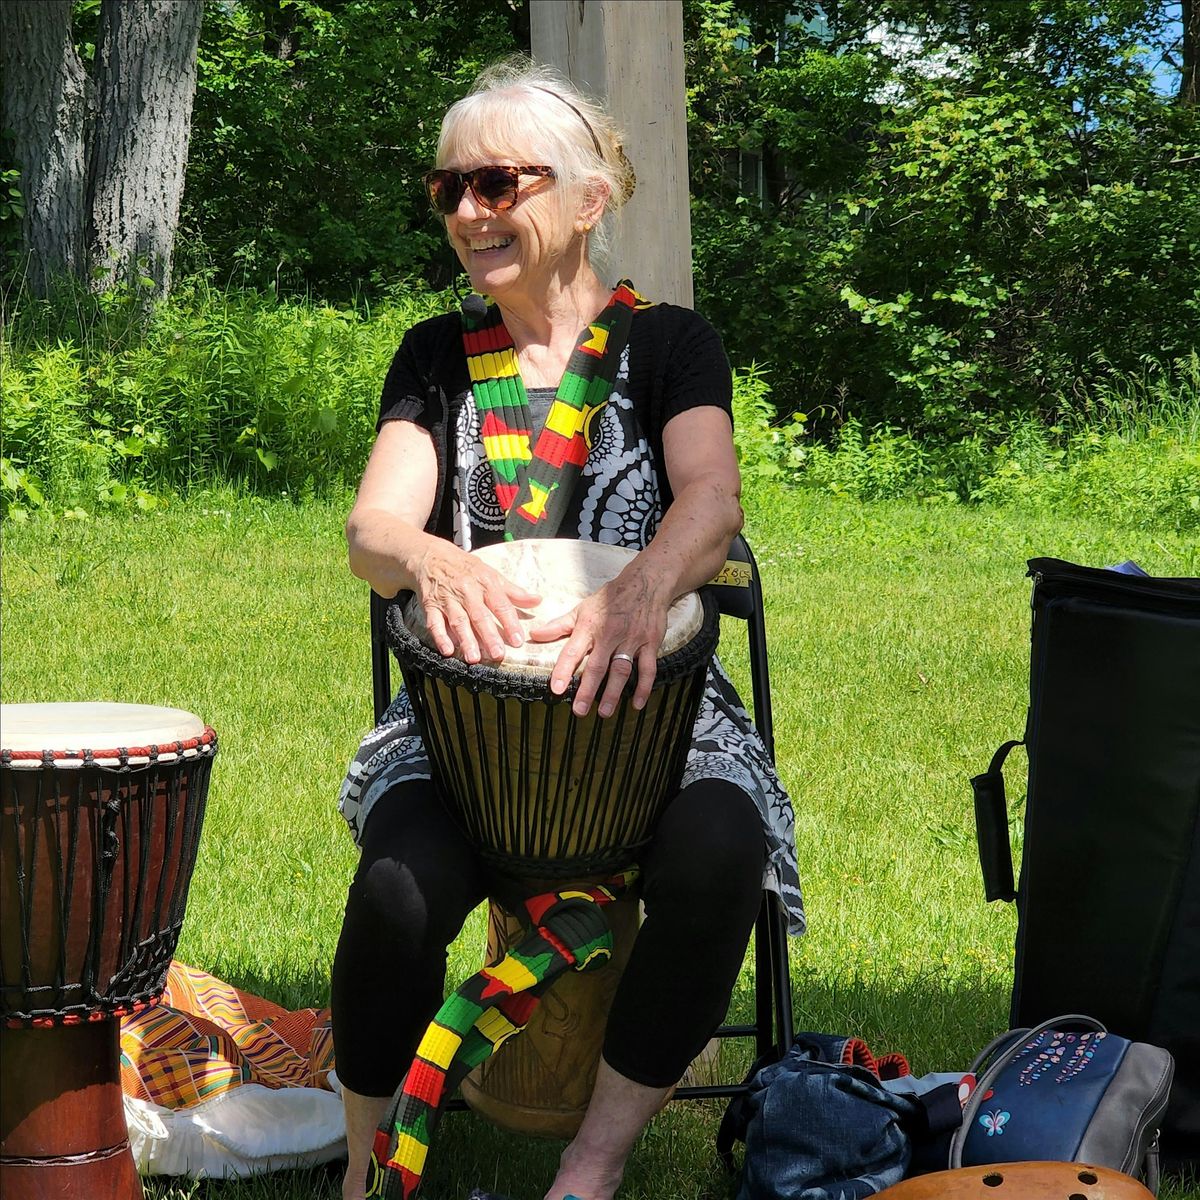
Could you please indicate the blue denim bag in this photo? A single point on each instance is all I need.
(819, 1127)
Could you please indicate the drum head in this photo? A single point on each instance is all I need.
(563, 572)
(93, 726)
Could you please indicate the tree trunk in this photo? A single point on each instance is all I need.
(1189, 84)
(45, 103)
(145, 86)
(631, 53)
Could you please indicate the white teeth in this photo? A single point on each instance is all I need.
(494, 243)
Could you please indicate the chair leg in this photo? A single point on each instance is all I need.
(763, 973)
(781, 975)
(773, 1019)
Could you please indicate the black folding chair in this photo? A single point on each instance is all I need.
(738, 593)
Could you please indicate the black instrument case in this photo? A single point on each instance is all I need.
(1108, 904)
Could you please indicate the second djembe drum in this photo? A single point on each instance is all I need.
(549, 798)
(1021, 1181)
(101, 807)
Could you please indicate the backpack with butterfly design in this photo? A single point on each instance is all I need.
(1066, 1091)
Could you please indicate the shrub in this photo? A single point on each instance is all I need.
(941, 247)
(218, 387)
(100, 408)
(1131, 453)
(761, 448)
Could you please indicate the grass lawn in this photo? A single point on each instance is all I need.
(899, 639)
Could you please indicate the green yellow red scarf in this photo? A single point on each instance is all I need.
(567, 932)
(533, 487)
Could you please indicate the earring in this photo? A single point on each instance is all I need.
(587, 227)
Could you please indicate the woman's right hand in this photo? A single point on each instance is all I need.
(469, 606)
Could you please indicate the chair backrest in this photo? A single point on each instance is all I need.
(738, 593)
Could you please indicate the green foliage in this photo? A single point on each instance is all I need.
(12, 206)
(313, 122)
(884, 465)
(1130, 451)
(761, 448)
(99, 411)
(942, 243)
(12, 212)
(1129, 454)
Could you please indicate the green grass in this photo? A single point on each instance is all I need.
(899, 642)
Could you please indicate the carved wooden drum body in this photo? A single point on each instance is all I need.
(548, 797)
(101, 807)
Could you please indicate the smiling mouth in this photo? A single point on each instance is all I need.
(482, 245)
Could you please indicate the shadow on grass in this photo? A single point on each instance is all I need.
(938, 1022)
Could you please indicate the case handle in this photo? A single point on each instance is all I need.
(991, 828)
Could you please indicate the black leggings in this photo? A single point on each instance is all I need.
(418, 880)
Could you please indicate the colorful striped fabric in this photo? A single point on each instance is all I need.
(206, 1038)
(568, 931)
(532, 486)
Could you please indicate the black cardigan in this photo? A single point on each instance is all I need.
(676, 362)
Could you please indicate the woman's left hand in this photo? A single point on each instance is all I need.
(621, 625)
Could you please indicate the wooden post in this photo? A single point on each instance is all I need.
(629, 54)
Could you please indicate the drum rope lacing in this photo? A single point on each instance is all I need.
(537, 791)
(569, 931)
(89, 984)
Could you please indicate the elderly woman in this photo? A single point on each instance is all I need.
(529, 171)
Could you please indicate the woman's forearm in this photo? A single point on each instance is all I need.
(470, 608)
(385, 550)
(693, 539)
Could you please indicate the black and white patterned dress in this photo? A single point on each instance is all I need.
(618, 502)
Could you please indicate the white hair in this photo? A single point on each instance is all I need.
(532, 114)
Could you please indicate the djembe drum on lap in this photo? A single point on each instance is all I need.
(101, 807)
(551, 799)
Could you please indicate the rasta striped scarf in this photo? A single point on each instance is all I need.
(533, 487)
(568, 931)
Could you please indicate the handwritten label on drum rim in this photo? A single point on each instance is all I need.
(733, 574)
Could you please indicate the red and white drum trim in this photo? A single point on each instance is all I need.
(115, 736)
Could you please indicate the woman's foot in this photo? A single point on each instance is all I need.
(585, 1176)
(592, 1165)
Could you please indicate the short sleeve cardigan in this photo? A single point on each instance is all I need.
(676, 362)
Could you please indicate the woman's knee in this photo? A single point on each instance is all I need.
(709, 846)
(416, 878)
